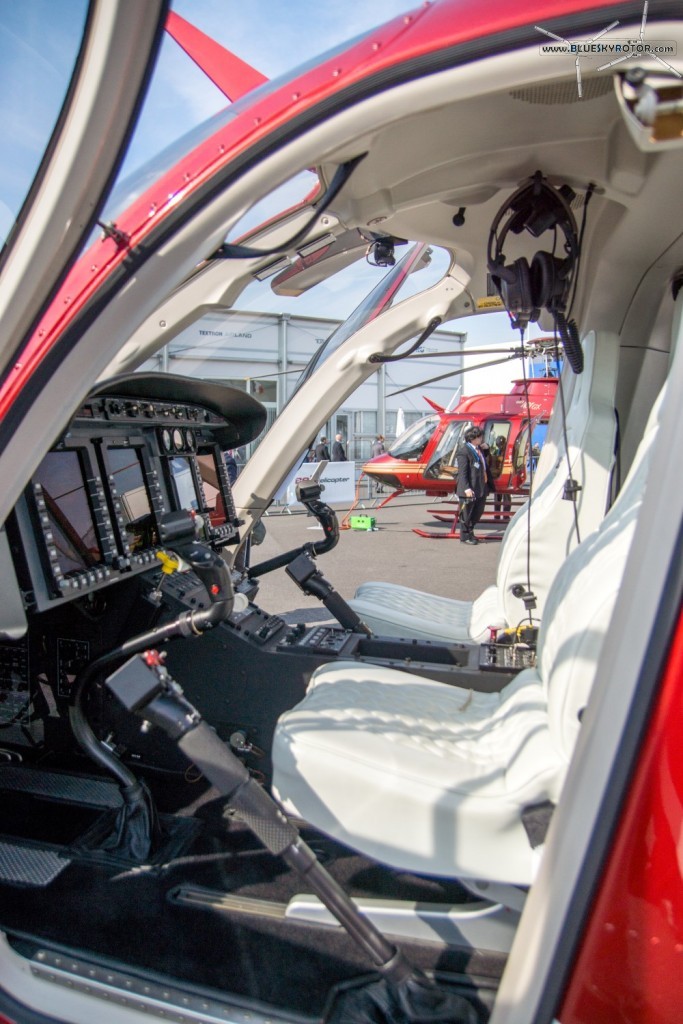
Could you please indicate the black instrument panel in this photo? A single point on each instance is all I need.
(91, 514)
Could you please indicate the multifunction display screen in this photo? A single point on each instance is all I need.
(71, 520)
(136, 511)
(183, 480)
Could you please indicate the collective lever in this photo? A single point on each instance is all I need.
(306, 575)
(404, 993)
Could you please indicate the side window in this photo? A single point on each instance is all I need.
(496, 436)
(519, 452)
(38, 52)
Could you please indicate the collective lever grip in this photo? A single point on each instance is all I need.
(306, 576)
(213, 573)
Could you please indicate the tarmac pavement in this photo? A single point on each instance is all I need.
(392, 552)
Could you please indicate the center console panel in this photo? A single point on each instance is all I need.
(453, 663)
(246, 672)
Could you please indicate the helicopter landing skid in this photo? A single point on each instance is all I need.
(385, 501)
(454, 533)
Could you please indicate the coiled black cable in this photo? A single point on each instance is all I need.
(569, 333)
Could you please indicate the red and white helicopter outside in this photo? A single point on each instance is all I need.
(423, 458)
(513, 836)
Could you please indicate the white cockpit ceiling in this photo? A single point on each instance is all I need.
(452, 149)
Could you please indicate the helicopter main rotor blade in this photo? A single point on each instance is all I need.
(516, 353)
(452, 373)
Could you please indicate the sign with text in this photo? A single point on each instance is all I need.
(338, 480)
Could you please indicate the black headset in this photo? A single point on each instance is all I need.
(526, 288)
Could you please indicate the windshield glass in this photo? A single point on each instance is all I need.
(381, 296)
(39, 45)
(414, 440)
(263, 348)
(130, 188)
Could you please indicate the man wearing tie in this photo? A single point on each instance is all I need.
(472, 483)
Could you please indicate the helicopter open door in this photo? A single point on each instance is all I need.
(525, 453)
(497, 435)
(442, 464)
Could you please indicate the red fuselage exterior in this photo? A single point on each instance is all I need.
(503, 418)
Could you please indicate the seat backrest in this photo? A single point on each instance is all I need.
(548, 519)
(582, 598)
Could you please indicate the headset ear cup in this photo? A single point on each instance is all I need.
(549, 281)
(542, 279)
(515, 290)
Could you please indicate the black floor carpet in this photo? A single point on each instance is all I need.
(127, 914)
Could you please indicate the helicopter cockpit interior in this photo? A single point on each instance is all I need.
(192, 785)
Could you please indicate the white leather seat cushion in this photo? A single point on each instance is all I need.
(388, 763)
(393, 610)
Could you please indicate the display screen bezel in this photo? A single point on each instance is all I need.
(137, 526)
(222, 511)
(190, 488)
(70, 526)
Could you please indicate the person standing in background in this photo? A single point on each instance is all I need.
(338, 449)
(231, 465)
(502, 501)
(488, 459)
(378, 449)
(322, 452)
(472, 483)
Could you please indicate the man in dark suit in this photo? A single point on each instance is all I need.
(338, 450)
(472, 483)
(322, 452)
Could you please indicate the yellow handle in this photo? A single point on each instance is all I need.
(168, 564)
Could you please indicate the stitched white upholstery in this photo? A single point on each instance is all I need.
(390, 764)
(434, 778)
(394, 610)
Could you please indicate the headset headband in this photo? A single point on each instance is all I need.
(546, 283)
(521, 206)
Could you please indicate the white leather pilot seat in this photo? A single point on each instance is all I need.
(433, 778)
(394, 610)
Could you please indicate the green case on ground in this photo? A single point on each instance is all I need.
(362, 522)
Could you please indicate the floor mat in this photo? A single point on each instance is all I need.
(21, 864)
(52, 818)
(128, 917)
(84, 789)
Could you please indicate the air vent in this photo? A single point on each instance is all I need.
(560, 93)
